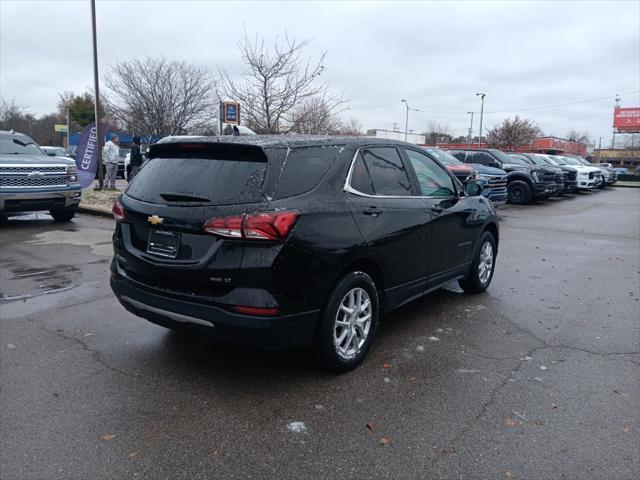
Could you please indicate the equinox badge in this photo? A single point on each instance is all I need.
(155, 220)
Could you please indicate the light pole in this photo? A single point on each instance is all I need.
(481, 95)
(406, 119)
(470, 129)
(96, 100)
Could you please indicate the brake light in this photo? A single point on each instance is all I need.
(264, 312)
(255, 226)
(117, 210)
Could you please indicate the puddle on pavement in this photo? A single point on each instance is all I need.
(26, 282)
(98, 240)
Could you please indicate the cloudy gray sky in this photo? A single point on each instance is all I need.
(437, 55)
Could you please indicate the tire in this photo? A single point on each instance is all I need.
(477, 280)
(63, 214)
(332, 346)
(519, 192)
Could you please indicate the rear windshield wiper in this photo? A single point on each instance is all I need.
(183, 197)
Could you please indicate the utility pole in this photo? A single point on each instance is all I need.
(96, 100)
(599, 148)
(68, 130)
(481, 95)
(395, 126)
(615, 107)
(470, 130)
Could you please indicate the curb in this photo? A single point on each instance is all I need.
(627, 185)
(102, 212)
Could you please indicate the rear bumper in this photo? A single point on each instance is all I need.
(34, 200)
(272, 333)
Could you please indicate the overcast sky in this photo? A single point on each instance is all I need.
(437, 55)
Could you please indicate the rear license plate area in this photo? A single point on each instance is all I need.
(163, 243)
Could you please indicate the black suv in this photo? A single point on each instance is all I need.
(295, 241)
(566, 175)
(525, 182)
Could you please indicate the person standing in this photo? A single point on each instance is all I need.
(135, 158)
(110, 157)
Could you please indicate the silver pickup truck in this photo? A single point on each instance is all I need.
(30, 180)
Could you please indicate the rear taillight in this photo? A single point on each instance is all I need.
(227, 227)
(256, 226)
(117, 210)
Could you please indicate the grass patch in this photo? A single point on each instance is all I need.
(100, 199)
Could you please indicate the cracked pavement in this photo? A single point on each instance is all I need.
(537, 378)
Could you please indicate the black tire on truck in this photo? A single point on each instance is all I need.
(63, 214)
(519, 192)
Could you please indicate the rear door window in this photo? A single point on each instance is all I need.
(380, 171)
(199, 180)
(304, 168)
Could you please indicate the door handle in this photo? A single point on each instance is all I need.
(437, 209)
(372, 211)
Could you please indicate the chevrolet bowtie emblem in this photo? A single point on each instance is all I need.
(155, 220)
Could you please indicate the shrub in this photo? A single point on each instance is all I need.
(625, 177)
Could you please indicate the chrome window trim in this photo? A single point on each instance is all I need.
(349, 189)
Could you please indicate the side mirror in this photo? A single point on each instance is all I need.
(473, 189)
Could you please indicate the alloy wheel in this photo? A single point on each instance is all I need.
(485, 266)
(352, 323)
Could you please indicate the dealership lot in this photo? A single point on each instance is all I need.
(536, 378)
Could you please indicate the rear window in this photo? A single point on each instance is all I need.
(304, 168)
(191, 181)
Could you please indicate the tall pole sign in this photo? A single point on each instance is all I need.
(231, 112)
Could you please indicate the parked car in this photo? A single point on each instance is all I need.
(525, 182)
(621, 171)
(608, 172)
(565, 176)
(54, 151)
(295, 242)
(588, 177)
(493, 180)
(462, 171)
(30, 180)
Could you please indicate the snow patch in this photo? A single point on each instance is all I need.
(297, 427)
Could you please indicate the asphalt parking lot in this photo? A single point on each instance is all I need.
(537, 378)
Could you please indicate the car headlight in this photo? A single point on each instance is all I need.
(538, 176)
(72, 172)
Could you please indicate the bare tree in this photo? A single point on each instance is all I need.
(278, 85)
(160, 97)
(352, 128)
(317, 115)
(580, 137)
(437, 133)
(512, 133)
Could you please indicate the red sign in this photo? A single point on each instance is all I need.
(626, 119)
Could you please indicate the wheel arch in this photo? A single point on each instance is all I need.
(370, 267)
(494, 229)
